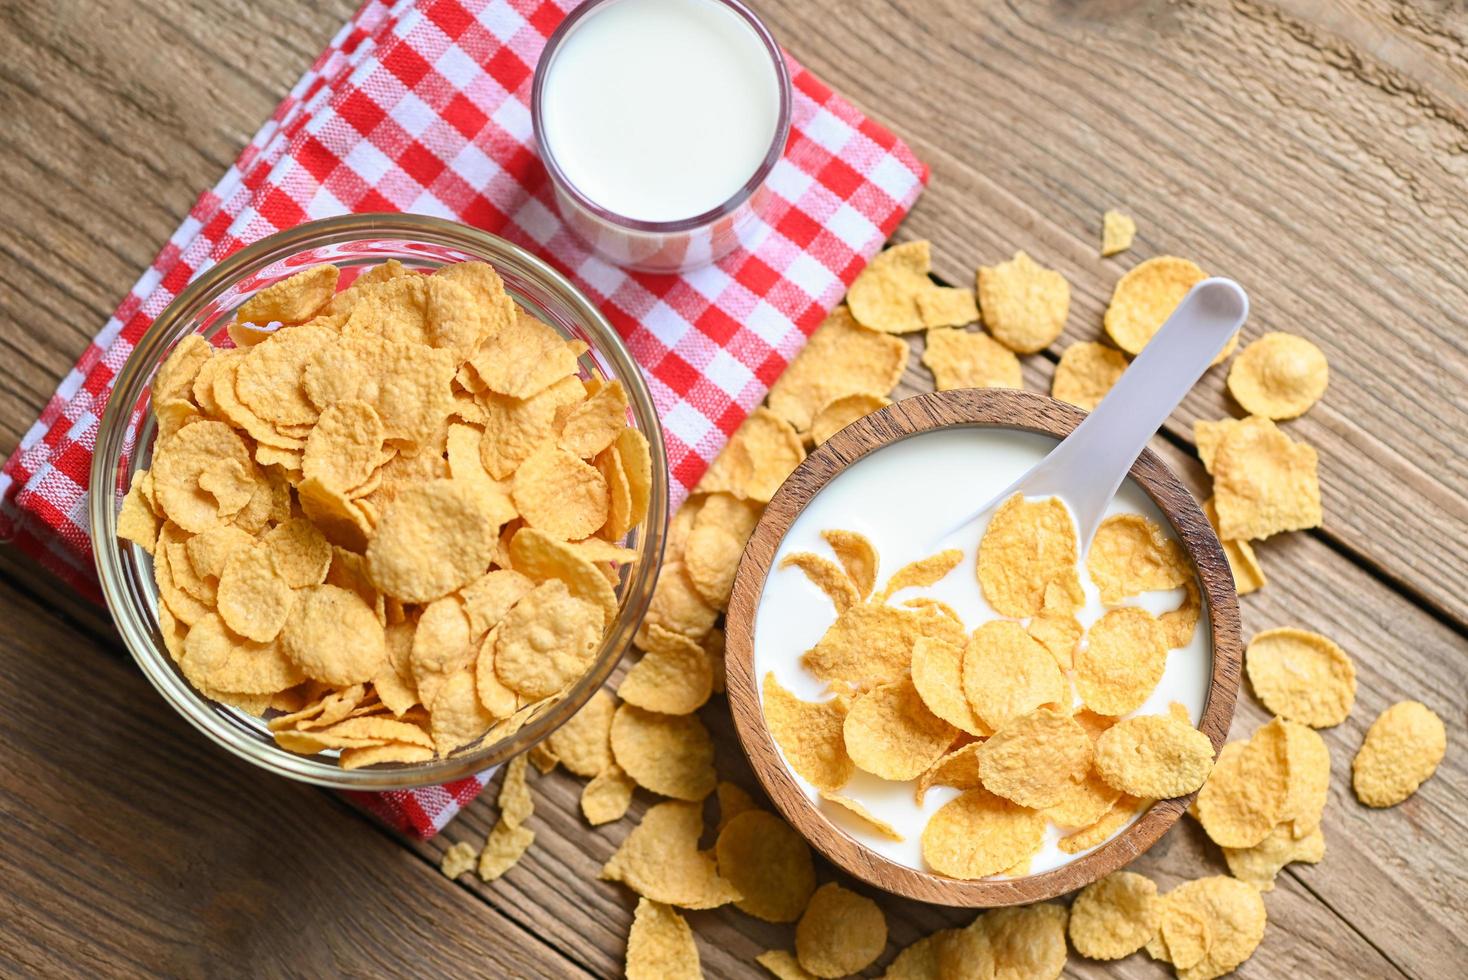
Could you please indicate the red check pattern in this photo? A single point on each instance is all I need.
(423, 106)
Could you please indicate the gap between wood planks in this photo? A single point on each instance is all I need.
(481, 896)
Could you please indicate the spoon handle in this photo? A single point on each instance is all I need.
(1086, 469)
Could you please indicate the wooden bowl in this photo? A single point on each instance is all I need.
(1010, 409)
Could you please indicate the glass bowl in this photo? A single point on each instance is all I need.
(125, 440)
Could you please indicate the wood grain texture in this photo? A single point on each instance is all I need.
(1255, 138)
(133, 848)
(1313, 150)
(910, 417)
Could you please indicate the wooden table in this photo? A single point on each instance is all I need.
(1315, 151)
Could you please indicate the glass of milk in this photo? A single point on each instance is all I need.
(659, 122)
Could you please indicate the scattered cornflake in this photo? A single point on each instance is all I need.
(1307, 759)
(733, 800)
(1263, 482)
(1154, 756)
(768, 863)
(1233, 917)
(668, 754)
(841, 358)
(867, 817)
(1248, 573)
(660, 860)
(1026, 941)
(782, 963)
(1115, 917)
(1258, 865)
(514, 801)
(1117, 232)
(838, 413)
(946, 306)
(763, 451)
(583, 743)
(809, 733)
(1146, 296)
(969, 359)
(607, 796)
(459, 858)
(840, 932)
(660, 946)
(1248, 788)
(1301, 676)
(1086, 372)
(884, 296)
(1400, 752)
(923, 960)
(1024, 303)
(542, 758)
(978, 834)
(674, 678)
(506, 844)
(1278, 376)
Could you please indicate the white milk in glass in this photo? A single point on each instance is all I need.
(904, 498)
(660, 110)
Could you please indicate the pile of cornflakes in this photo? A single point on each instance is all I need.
(389, 518)
(992, 712)
(900, 670)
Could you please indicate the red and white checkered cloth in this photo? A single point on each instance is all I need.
(424, 106)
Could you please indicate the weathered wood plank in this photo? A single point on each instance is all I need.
(133, 847)
(1269, 145)
(116, 117)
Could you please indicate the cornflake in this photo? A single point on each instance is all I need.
(840, 932)
(1117, 232)
(1301, 676)
(1024, 304)
(668, 754)
(1146, 296)
(1400, 752)
(969, 359)
(1263, 482)
(1086, 372)
(1154, 756)
(884, 296)
(1278, 376)
(660, 860)
(768, 863)
(1114, 916)
(660, 946)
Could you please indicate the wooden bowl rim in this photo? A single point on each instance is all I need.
(1008, 408)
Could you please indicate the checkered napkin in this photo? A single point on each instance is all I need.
(424, 106)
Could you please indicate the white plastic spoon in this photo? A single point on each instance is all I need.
(1088, 466)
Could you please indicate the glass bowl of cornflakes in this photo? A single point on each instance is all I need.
(379, 501)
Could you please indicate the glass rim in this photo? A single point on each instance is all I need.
(681, 225)
(135, 618)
